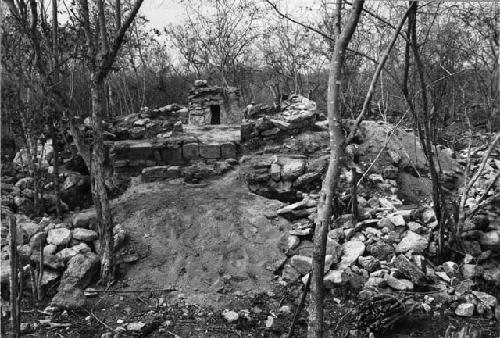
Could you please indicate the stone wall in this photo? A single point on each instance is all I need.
(202, 97)
(130, 157)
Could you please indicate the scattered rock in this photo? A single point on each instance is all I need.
(68, 297)
(49, 249)
(302, 264)
(85, 219)
(369, 263)
(397, 220)
(465, 310)
(230, 316)
(136, 326)
(49, 277)
(335, 278)
(67, 253)
(81, 269)
(351, 252)
(59, 237)
(399, 284)
(84, 235)
(413, 242)
(410, 270)
(488, 300)
(491, 240)
(428, 216)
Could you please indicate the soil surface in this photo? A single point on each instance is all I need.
(204, 240)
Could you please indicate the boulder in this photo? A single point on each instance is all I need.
(409, 270)
(38, 240)
(49, 249)
(428, 216)
(81, 270)
(292, 168)
(68, 297)
(469, 271)
(67, 253)
(5, 272)
(30, 228)
(84, 235)
(352, 250)
(381, 250)
(49, 277)
(303, 264)
(85, 219)
(465, 310)
(413, 242)
(23, 183)
(369, 263)
(275, 171)
(491, 240)
(293, 242)
(49, 260)
(375, 282)
(290, 274)
(451, 268)
(399, 284)
(488, 300)
(59, 237)
(397, 220)
(335, 278)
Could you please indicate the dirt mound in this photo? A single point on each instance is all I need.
(203, 240)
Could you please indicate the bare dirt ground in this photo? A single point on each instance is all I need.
(204, 240)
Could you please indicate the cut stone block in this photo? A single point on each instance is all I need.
(190, 151)
(172, 155)
(228, 150)
(208, 150)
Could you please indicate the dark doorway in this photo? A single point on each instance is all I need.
(215, 111)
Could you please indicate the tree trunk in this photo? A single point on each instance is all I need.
(330, 182)
(99, 187)
(14, 285)
(426, 122)
(57, 186)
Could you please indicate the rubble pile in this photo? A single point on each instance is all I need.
(484, 225)
(282, 177)
(299, 114)
(389, 247)
(70, 254)
(18, 186)
(149, 123)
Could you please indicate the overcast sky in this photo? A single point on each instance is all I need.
(163, 12)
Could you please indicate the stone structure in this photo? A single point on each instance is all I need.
(132, 156)
(299, 114)
(214, 105)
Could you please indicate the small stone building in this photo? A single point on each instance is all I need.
(213, 105)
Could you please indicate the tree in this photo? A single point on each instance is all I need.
(100, 54)
(216, 37)
(100, 57)
(342, 39)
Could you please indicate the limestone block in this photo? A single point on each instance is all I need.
(210, 150)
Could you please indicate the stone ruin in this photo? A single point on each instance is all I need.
(296, 115)
(213, 105)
